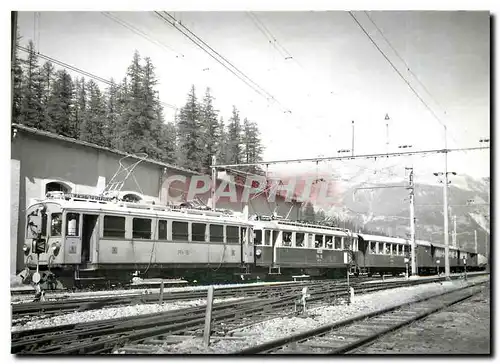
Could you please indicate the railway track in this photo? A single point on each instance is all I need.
(346, 336)
(144, 331)
(66, 304)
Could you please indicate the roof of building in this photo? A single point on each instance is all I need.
(54, 136)
(48, 134)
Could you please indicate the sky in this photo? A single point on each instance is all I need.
(321, 69)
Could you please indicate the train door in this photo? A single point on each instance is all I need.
(73, 241)
(246, 246)
(89, 236)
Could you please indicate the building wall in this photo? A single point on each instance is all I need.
(39, 159)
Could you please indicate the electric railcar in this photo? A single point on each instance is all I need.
(88, 238)
(77, 238)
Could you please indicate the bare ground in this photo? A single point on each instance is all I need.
(463, 328)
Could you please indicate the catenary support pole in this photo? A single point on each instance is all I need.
(412, 224)
(445, 213)
(214, 183)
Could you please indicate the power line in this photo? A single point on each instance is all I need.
(82, 72)
(270, 37)
(407, 66)
(351, 157)
(397, 71)
(218, 57)
(140, 33)
(402, 60)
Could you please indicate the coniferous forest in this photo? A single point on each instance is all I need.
(128, 115)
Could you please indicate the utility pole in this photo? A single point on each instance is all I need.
(445, 211)
(352, 147)
(454, 237)
(214, 182)
(445, 214)
(387, 133)
(411, 188)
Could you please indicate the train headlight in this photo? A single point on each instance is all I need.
(258, 253)
(56, 247)
(26, 249)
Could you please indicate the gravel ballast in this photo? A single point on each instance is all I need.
(318, 316)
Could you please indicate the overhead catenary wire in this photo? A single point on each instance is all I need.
(141, 33)
(405, 63)
(398, 72)
(169, 19)
(407, 67)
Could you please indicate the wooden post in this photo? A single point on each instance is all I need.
(161, 292)
(208, 316)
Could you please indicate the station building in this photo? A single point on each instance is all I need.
(42, 162)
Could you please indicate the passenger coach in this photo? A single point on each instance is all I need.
(105, 239)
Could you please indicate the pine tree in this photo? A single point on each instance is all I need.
(152, 113)
(209, 130)
(122, 97)
(81, 104)
(31, 106)
(222, 143)
(17, 95)
(168, 137)
(308, 213)
(60, 105)
(188, 129)
(133, 128)
(235, 147)
(92, 127)
(252, 147)
(47, 79)
(111, 132)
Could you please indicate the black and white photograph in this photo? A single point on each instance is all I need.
(212, 182)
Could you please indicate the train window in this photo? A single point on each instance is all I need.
(267, 237)
(338, 242)
(72, 224)
(299, 240)
(217, 233)
(387, 248)
(355, 245)
(287, 238)
(162, 229)
(114, 227)
(232, 234)
(257, 237)
(329, 242)
(347, 243)
(179, 230)
(141, 228)
(56, 224)
(198, 231)
(373, 247)
(318, 241)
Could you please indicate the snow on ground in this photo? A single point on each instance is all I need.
(318, 316)
(129, 292)
(114, 312)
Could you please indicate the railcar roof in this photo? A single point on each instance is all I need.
(146, 210)
(384, 239)
(298, 227)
